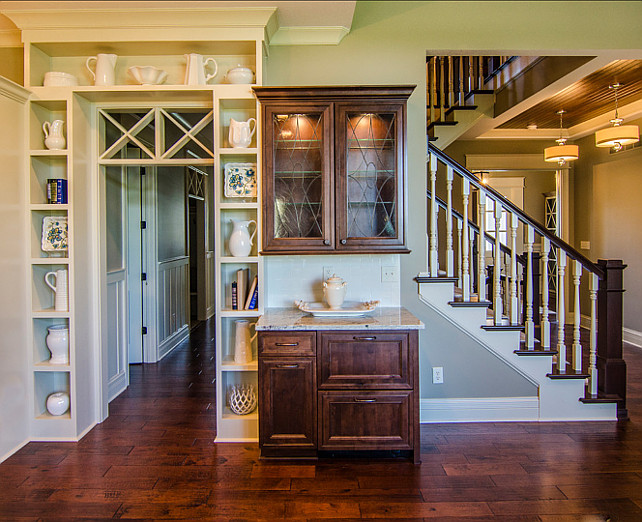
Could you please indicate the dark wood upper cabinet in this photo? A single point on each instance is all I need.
(334, 169)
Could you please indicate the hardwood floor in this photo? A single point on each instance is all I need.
(154, 459)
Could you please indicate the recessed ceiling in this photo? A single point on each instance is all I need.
(585, 99)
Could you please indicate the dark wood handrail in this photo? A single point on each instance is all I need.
(525, 218)
(489, 238)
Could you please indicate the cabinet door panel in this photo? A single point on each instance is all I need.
(370, 175)
(365, 420)
(359, 360)
(287, 406)
(298, 197)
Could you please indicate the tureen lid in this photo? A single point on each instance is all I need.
(334, 279)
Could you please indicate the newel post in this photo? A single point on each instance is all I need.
(611, 367)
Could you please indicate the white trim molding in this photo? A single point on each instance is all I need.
(309, 35)
(13, 91)
(632, 337)
(487, 409)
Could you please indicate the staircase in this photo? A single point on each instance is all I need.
(557, 324)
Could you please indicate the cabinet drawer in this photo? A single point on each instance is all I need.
(299, 343)
(358, 360)
(365, 420)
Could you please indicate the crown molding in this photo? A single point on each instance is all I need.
(309, 35)
(10, 38)
(12, 90)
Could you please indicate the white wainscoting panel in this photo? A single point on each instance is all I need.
(118, 374)
(488, 409)
(210, 267)
(173, 303)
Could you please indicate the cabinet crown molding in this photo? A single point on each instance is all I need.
(12, 90)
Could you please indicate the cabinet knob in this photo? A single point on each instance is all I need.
(344, 241)
(326, 242)
(364, 400)
(286, 344)
(357, 338)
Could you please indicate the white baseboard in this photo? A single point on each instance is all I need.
(14, 450)
(489, 409)
(172, 342)
(632, 337)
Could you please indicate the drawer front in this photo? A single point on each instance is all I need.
(282, 343)
(369, 360)
(379, 420)
(287, 405)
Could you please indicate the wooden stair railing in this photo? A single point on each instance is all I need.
(513, 297)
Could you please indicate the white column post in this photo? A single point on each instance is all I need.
(514, 317)
(561, 312)
(545, 324)
(434, 257)
(497, 268)
(593, 284)
(577, 347)
(481, 253)
(529, 324)
(465, 253)
(450, 259)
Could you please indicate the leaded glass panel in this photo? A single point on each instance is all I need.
(371, 175)
(298, 183)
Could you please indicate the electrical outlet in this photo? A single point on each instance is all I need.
(328, 271)
(389, 274)
(437, 374)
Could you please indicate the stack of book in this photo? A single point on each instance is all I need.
(244, 296)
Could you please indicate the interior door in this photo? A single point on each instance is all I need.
(135, 269)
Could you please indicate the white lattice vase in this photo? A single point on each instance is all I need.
(243, 399)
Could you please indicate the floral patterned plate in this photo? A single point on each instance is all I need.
(54, 233)
(240, 180)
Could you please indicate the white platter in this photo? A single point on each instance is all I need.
(349, 308)
(240, 180)
(54, 234)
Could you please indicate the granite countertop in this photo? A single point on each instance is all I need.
(382, 318)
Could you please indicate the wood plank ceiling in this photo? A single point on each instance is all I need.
(585, 99)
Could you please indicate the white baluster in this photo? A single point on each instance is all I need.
(514, 317)
(471, 247)
(529, 323)
(577, 347)
(450, 258)
(545, 325)
(459, 263)
(497, 269)
(434, 253)
(481, 254)
(465, 252)
(561, 312)
(593, 282)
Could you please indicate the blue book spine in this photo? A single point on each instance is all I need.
(255, 298)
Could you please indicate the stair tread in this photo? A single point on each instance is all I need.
(438, 279)
(448, 123)
(503, 328)
(535, 352)
(568, 374)
(470, 304)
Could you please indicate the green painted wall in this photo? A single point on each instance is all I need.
(388, 44)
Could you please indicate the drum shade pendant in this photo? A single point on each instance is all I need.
(617, 135)
(561, 153)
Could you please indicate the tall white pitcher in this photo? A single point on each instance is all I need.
(195, 71)
(104, 73)
(60, 288)
(241, 132)
(240, 239)
(243, 342)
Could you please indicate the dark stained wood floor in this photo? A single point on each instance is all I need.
(154, 459)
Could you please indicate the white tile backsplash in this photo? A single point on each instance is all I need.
(289, 278)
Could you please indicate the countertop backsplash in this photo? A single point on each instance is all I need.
(292, 277)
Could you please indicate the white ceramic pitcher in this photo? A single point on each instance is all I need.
(54, 138)
(241, 132)
(240, 240)
(195, 71)
(60, 288)
(243, 342)
(104, 73)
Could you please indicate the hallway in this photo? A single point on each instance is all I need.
(154, 458)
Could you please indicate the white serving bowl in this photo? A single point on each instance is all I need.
(239, 75)
(59, 79)
(147, 75)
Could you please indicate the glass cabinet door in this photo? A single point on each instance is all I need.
(298, 200)
(370, 176)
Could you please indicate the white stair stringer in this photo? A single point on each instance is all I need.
(466, 119)
(558, 398)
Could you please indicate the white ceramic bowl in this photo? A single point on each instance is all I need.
(147, 75)
(59, 79)
(240, 75)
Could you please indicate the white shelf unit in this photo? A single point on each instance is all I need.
(43, 164)
(231, 427)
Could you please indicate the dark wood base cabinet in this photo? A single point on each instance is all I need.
(338, 391)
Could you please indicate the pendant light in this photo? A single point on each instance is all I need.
(617, 135)
(561, 153)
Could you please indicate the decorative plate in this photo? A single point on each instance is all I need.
(54, 233)
(240, 180)
(349, 308)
